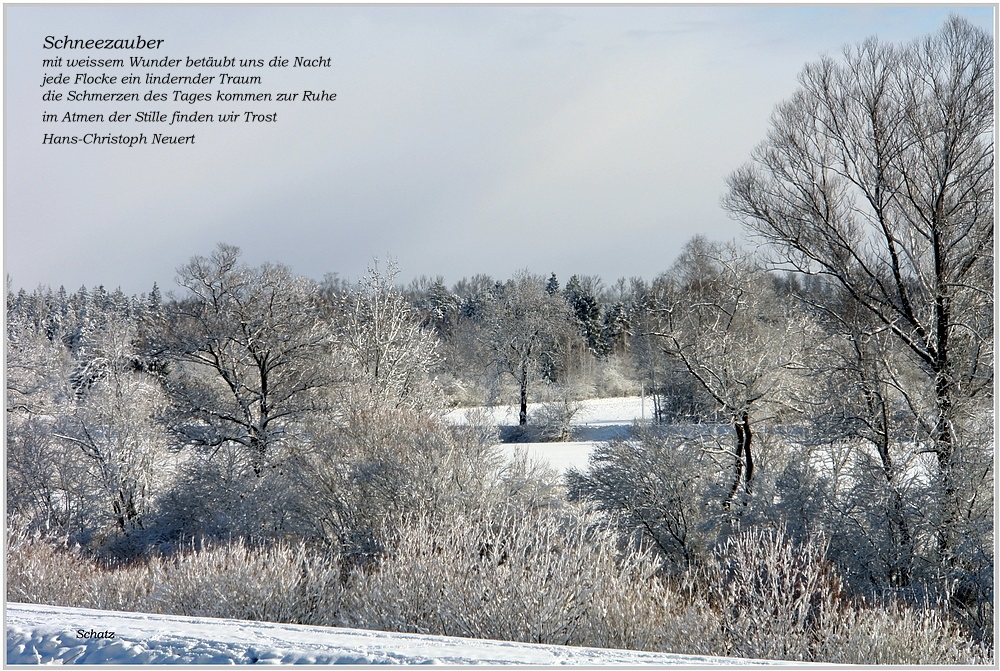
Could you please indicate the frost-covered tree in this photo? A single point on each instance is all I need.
(114, 423)
(249, 345)
(717, 316)
(41, 482)
(878, 175)
(519, 333)
(383, 355)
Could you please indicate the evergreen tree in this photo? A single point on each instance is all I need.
(587, 312)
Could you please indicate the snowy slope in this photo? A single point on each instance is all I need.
(52, 634)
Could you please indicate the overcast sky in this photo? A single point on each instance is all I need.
(464, 139)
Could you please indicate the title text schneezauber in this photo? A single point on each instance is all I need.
(66, 42)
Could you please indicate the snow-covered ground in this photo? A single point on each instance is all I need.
(57, 635)
(592, 414)
(596, 420)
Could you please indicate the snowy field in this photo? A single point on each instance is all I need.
(57, 635)
(597, 420)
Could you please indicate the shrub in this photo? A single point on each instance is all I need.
(244, 581)
(548, 577)
(655, 489)
(126, 587)
(552, 421)
(614, 375)
(893, 633)
(398, 464)
(238, 580)
(778, 599)
(45, 570)
(772, 595)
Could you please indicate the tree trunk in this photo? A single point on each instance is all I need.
(950, 507)
(258, 450)
(899, 573)
(737, 467)
(523, 416)
(743, 463)
(747, 437)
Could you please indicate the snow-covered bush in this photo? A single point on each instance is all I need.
(780, 599)
(893, 633)
(44, 570)
(123, 587)
(544, 576)
(218, 496)
(772, 594)
(385, 466)
(550, 422)
(532, 483)
(655, 487)
(48, 570)
(611, 376)
(547, 577)
(276, 583)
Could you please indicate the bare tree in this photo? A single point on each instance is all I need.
(858, 408)
(115, 425)
(878, 174)
(250, 345)
(718, 317)
(384, 355)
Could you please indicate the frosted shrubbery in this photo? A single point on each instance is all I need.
(775, 598)
(551, 576)
(654, 490)
(277, 583)
(361, 480)
(40, 571)
(894, 633)
(237, 580)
